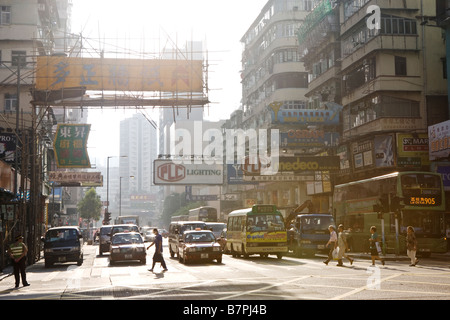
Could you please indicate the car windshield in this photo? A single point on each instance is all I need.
(264, 223)
(200, 237)
(216, 227)
(118, 229)
(311, 224)
(61, 235)
(129, 238)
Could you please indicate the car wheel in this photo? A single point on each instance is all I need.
(219, 260)
(144, 261)
(172, 254)
(48, 264)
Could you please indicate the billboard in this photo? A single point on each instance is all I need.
(439, 135)
(167, 172)
(67, 178)
(412, 150)
(54, 73)
(282, 114)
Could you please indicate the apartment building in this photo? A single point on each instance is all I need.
(275, 82)
(390, 80)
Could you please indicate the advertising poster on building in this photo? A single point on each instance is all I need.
(8, 147)
(384, 151)
(439, 135)
(362, 152)
(412, 150)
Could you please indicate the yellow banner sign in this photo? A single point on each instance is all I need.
(54, 73)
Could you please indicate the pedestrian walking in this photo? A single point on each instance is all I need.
(375, 246)
(158, 256)
(411, 245)
(18, 253)
(343, 246)
(332, 242)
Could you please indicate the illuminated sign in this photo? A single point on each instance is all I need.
(54, 73)
(422, 201)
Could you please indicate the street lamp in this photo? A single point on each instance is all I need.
(120, 195)
(107, 181)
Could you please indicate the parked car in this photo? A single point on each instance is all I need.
(127, 246)
(104, 239)
(63, 244)
(199, 245)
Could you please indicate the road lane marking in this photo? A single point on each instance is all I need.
(256, 291)
(360, 289)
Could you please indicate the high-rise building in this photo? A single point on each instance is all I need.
(274, 79)
(138, 142)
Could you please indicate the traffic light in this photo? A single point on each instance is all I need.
(396, 204)
(107, 217)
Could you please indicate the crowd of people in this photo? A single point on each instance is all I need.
(339, 246)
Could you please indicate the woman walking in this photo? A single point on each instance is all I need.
(374, 245)
(411, 246)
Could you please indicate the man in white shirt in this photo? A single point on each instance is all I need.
(333, 242)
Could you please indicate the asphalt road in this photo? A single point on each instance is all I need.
(235, 279)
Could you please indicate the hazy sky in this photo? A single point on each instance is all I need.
(150, 25)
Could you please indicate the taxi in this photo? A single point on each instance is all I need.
(127, 246)
(199, 245)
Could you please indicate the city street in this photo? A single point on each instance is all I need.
(234, 279)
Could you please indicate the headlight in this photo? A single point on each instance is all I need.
(140, 249)
(216, 248)
(305, 241)
(48, 250)
(115, 250)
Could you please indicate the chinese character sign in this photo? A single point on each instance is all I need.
(70, 146)
(54, 73)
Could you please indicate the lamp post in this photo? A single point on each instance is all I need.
(120, 195)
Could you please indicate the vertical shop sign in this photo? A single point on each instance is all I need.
(70, 146)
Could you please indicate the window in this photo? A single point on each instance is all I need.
(400, 66)
(10, 102)
(5, 15)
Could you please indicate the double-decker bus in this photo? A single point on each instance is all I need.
(205, 214)
(392, 202)
(256, 230)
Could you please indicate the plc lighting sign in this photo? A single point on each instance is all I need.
(167, 172)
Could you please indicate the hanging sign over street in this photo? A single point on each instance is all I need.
(70, 146)
(54, 73)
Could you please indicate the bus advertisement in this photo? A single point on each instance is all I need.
(392, 202)
(257, 230)
(205, 214)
